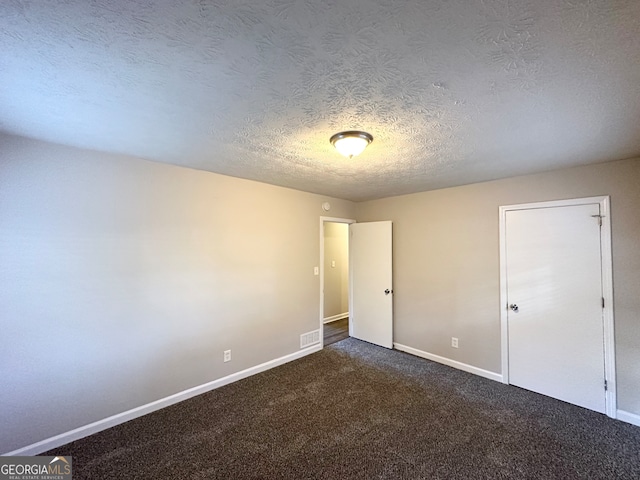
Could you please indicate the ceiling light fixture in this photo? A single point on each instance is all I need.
(351, 143)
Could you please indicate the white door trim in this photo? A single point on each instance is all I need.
(322, 222)
(607, 290)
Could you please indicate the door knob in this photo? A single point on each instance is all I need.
(514, 307)
(387, 291)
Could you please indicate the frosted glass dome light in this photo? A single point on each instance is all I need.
(352, 143)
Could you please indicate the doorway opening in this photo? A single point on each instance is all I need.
(334, 279)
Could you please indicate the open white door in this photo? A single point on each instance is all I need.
(371, 287)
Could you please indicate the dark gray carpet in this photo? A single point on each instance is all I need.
(356, 411)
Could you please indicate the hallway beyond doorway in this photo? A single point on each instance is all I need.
(336, 331)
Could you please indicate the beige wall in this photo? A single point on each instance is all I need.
(336, 279)
(446, 263)
(122, 281)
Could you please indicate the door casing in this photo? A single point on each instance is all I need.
(607, 289)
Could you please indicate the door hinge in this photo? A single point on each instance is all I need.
(602, 302)
(605, 385)
(599, 217)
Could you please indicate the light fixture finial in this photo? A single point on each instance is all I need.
(351, 143)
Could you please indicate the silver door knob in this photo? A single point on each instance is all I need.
(514, 307)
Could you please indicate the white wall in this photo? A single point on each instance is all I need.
(122, 281)
(336, 278)
(446, 263)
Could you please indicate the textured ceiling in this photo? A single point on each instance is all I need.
(453, 92)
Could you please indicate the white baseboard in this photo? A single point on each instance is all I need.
(95, 427)
(621, 415)
(334, 318)
(451, 363)
(628, 417)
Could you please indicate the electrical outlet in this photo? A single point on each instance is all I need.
(454, 342)
(227, 356)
